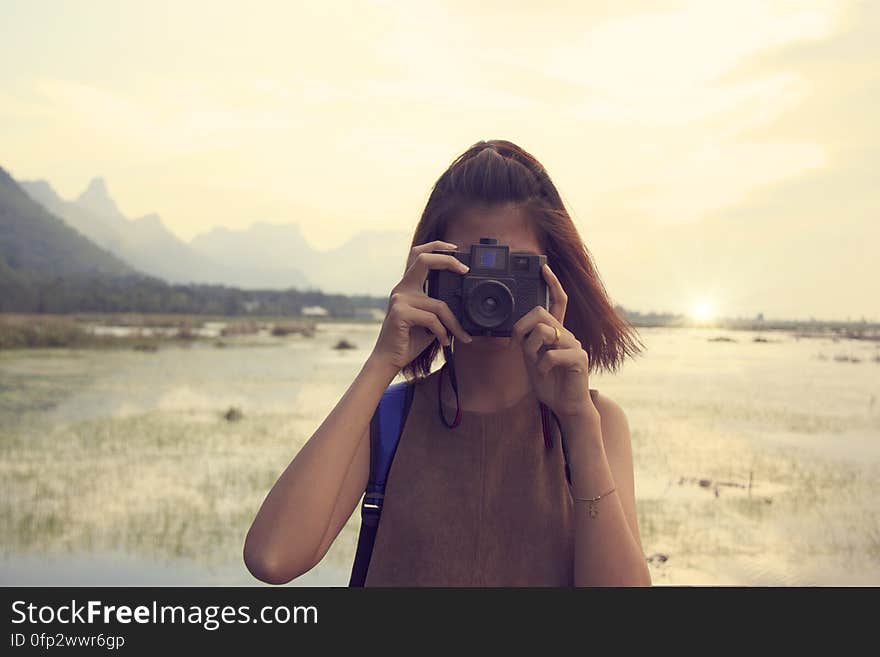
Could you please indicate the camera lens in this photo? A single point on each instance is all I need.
(489, 303)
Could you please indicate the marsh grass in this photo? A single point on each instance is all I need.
(145, 332)
(801, 511)
(159, 484)
(29, 331)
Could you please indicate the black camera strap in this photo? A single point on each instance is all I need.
(448, 355)
(546, 412)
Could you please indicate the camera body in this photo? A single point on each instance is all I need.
(499, 288)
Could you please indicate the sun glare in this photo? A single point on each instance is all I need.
(703, 311)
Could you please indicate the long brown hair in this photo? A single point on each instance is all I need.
(498, 172)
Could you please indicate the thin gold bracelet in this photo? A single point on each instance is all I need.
(592, 500)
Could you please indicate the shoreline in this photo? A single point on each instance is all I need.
(146, 331)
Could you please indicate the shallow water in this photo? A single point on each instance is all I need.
(119, 468)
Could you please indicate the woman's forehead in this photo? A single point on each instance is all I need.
(510, 225)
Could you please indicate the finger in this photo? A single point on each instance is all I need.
(442, 310)
(521, 328)
(417, 317)
(574, 360)
(436, 245)
(558, 297)
(542, 334)
(415, 276)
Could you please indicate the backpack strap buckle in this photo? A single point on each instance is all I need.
(371, 508)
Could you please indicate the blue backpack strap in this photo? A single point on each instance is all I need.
(386, 427)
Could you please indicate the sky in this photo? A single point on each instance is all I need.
(717, 157)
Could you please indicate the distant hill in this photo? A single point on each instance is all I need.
(32, 240)
(371, 262)
(146, 244)
(47, 266)
(263, 256)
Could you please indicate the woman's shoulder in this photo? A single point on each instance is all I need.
(615, 424)
(421, 382)
(418, 386)
(606, 405)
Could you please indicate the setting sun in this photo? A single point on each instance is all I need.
(703, 311)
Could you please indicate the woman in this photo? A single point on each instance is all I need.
(482, 500)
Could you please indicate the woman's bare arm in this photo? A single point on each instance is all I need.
(317, 492)
(608, 547)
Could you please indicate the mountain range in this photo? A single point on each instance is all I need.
(48, 266)
(33, 241)
(263, 256)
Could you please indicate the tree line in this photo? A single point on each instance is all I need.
(27, 292)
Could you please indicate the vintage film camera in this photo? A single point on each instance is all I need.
(499, 288)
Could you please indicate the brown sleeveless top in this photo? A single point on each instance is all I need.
(483, 504)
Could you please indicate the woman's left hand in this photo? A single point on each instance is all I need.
(558, 369)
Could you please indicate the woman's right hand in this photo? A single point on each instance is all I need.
(414, 319)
